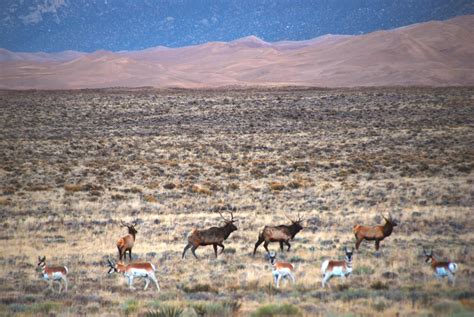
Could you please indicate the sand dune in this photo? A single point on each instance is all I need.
(433, 53)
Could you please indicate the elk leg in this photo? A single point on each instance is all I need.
(222, 246)
(186, 249)
(281, 246)
(257, 244)
(130, 254)
(193, 250)
(288, 244)
(120, 254)
(377, 245)
(215, 249)
(358, 243)
(265, 245)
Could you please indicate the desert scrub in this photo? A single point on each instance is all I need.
(277, 310)
(199, 288)
(131, 306)
(46, 307)
(226, 308)
(166, 311)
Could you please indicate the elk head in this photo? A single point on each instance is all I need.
(390, 220)
(229, 222)
(296, 223)
(131, 227)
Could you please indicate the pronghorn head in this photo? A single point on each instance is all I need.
(428, 255)
(131, 227)
(229, 222)
(390, 220)
(272, 256)
(112, 266)
(349, 253)
(41, 261)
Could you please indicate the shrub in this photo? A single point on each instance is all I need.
(276, 185)
(199, 288)
(166, 311)
(130, 307)
(200, 190)
(378, 285)
(277, 310)
(150, 198)
(169, 186)
(379, 306)
(45, 307)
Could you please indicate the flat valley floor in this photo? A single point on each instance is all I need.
(74, 164)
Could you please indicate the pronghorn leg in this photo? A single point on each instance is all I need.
(265, 245)
(65, 283)
(377, 245)
(326, 278)
(193, 250)
(186, 249)
(281, 246)
(288, 244)
(278, 280)
(51, 284)
(257, 244)
(153, 278)
(147, 281)
(292, 278)
(60, 286)
(130, 282)
(222, 246)
(451, 278)
(215, 249)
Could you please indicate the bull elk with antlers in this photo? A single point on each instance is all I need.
(282, 234)
(126, 243)
(377, 233)
(213, 235)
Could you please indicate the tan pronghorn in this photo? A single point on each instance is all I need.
(126, 243)
(53, 273)
(281, 270)
(144, 270)
(441, 269)
(331, 268)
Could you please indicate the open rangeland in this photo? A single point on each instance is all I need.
(75, 164)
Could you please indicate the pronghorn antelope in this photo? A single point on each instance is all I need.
(281, 234)
(441, 269)
(145, 270)
(126, 243)
(53, 273)
(331, 268)
(213, 235)
(371, 233)
(281, 270)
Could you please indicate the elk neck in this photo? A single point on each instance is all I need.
(294, 229)
(227, 229)
(387, 229)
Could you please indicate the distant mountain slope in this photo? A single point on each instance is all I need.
(437, 53)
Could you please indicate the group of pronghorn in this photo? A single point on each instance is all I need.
(215, 236)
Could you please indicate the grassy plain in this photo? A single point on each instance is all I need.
(75, 163)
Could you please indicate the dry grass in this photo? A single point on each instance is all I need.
(73, 164)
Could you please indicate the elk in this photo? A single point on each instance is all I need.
(53, 273)
(281, 234)
(213, 235)
(281, 270)
(126, 243)
(145, 270)
(441, 269)
(331, 268)
(371, 233)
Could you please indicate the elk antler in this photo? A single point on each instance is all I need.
(123, 223)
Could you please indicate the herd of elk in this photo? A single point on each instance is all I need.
(281, 234)
(126, 243)
(441, 269)
(213, 235)
(144, 270)
(332, 268)
(371, 233)
(281, 270)
(53, 273)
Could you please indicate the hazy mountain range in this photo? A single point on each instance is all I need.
(436, 53)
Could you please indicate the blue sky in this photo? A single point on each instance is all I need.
(56, 25)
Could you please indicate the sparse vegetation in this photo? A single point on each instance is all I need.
(73, 164)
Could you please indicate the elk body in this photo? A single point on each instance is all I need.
(442, 269)
(53, 273)
(126, 243)
(331, 268)
(214, 236)
(371, 233)
(144, 270)
(281, 270)
(282, 234)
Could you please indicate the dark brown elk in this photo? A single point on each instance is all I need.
(213, 235)
(374, 233)
(126, 243)
(282, 234)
